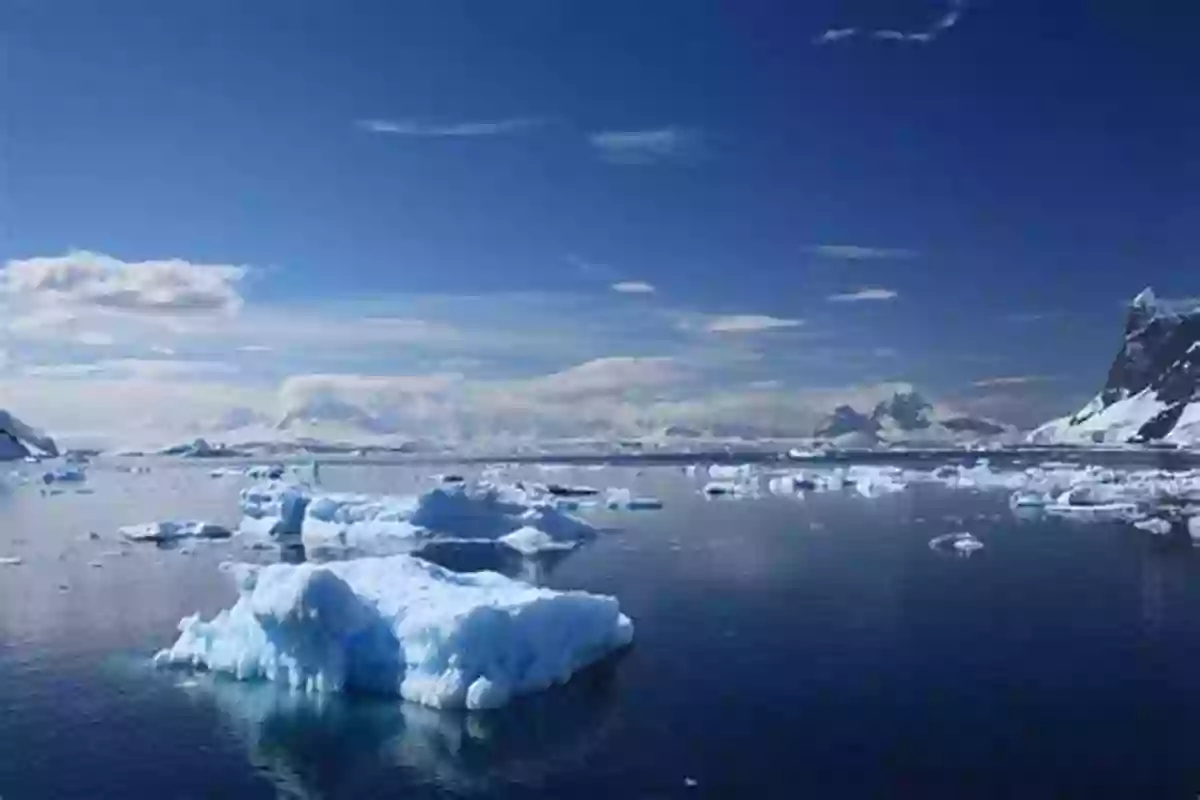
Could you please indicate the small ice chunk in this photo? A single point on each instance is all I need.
(170, 530)
(1194, 529)
(624, 498)
(723, 488)
(96, 564)
(11, 561)
(729, 472)
(531, 541)
(962, 543)
(400, 625)
(271, 472)
(1155, 525)
(65, 475)
(1026, 499)
(559, 490)
(1098, 511)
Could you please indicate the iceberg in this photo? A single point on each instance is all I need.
(17, 439)
(171, 530)
(200, 448)
(480, 512)
(402, 626)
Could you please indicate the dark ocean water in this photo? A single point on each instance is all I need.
(783, 648)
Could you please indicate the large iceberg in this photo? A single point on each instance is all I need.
(16, 439)
(403, 626)
(475, 512)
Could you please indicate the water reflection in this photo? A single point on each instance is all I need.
(321, 745)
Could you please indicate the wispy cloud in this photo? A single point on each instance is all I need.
(951, 17)
(144, 368)
(647, 146)
(633, 287)
(864, 295)
(1009, 380)
(95, 339)
(748, 323)
(413, 128)
(836, 35)
(1033, 316)
(855, 252)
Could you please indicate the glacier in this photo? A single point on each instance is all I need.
(400, 625)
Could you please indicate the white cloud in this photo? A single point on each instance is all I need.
(748, 323)
(854, 252)
(951, 17)
(412, 128)
(633, 287)
(82, 279)
(864, 295)
(646, 146)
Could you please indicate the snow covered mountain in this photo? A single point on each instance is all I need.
(1153, 389)
(905, 418)
(17, 439)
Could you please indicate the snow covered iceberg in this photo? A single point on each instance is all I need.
(403, 626)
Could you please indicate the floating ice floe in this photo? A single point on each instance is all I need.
(481, 512)
(962, 543)
(400, 625)
(11, 561)
(172, 530)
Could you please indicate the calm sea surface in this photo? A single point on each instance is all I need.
(784, 648)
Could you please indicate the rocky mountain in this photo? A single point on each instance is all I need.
(906, 417)
(1152, 393)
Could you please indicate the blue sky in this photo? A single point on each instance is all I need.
(472, 178)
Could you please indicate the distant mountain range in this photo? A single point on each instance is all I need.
(1153, 389)
(906, 418)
